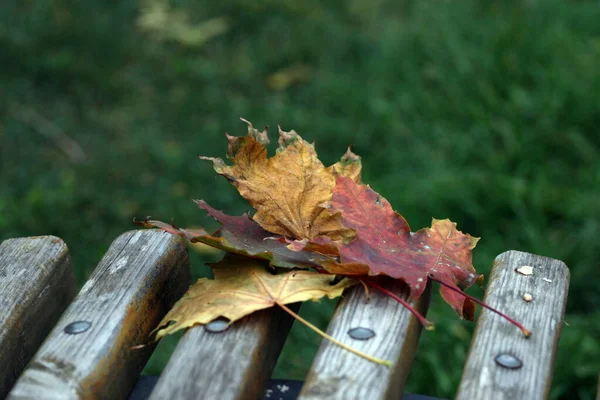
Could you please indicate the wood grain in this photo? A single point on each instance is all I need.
(234, 364)
(134, 285)
(482, 377)
(338, 374)
(36, 285)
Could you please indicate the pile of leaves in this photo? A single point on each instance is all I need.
(316, 224)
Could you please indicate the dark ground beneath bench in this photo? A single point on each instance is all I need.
(277, 389)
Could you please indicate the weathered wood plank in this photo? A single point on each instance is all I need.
(134, 285)
(482, 377)
(338, 374)
(36, 285)
(234, 364)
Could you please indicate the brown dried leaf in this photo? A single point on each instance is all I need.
(288, 190)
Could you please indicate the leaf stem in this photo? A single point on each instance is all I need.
(428, 325)
(333, 340)
(525, 331)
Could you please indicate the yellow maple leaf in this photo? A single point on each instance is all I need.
(242, 286)
(288, 190)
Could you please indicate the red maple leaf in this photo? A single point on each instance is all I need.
(384, 245)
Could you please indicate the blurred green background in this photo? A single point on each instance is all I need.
(487, 113)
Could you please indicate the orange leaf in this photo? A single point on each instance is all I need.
(288, 190)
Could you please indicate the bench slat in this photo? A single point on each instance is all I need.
(482, 377)
(36, 285)
(338, 374)
(234, 364)
(136, 282)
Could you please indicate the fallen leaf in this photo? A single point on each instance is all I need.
(286, 77)
(287, 190)
(241, 235)
(242, 286)
(384, 245)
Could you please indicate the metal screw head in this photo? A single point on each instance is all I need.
(218, 325)
(361, 333)
(508, 361)
(77, 327)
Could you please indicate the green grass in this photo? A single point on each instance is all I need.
(485, 113)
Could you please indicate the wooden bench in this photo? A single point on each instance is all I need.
(55, 345)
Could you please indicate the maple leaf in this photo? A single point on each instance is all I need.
(385, 245)
(241, 235)
(242, 286)
(289, 189)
